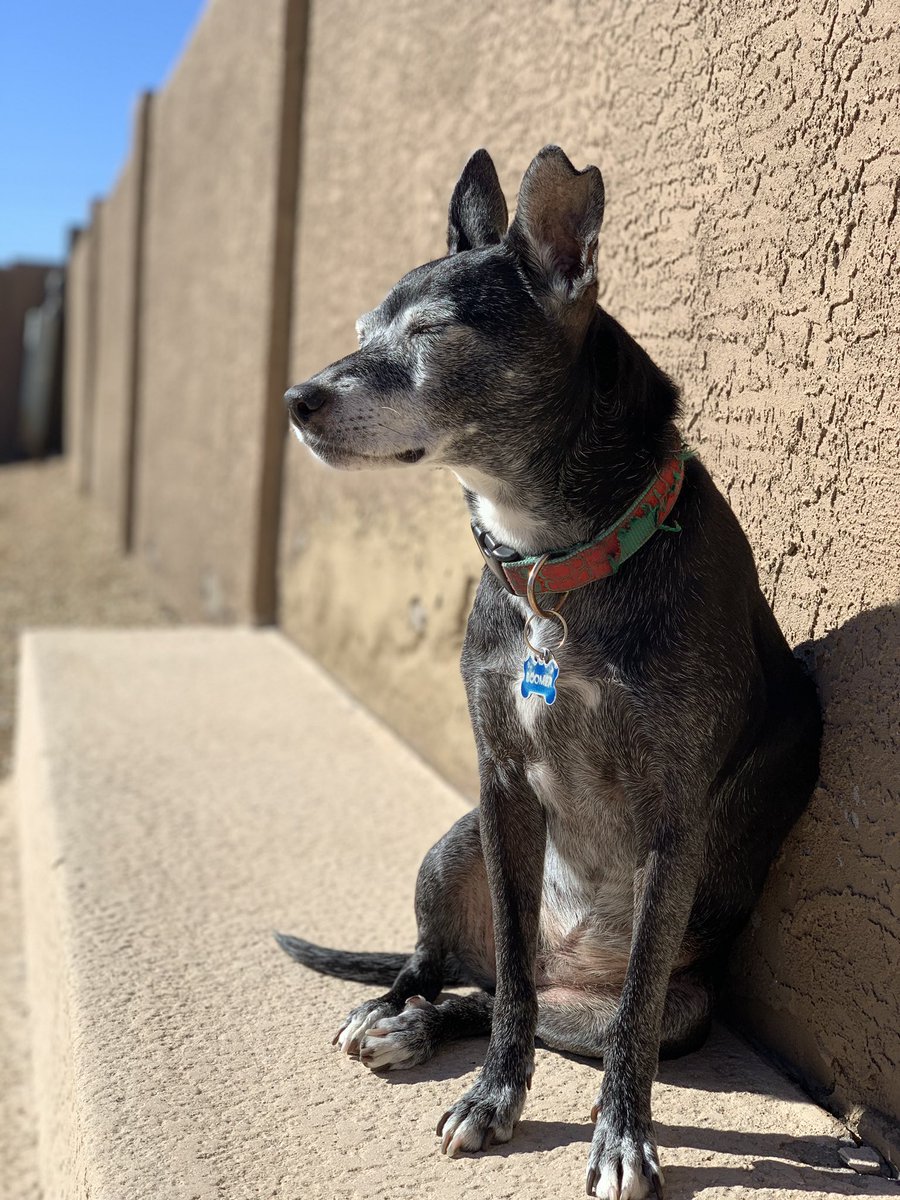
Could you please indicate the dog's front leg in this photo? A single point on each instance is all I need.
(623, 1163)
(513, 834)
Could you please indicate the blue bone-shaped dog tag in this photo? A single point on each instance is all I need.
(539, 678)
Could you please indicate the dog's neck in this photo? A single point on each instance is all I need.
(618, 431)
(498, 509)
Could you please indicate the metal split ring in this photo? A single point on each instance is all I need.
(544, 651)
(543, 613)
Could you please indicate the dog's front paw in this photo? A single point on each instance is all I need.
(350, 1035)
(486, 1114)
(409, 1038)
(624, 1162)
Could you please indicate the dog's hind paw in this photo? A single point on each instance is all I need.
(409, 1038)
(349, 1037)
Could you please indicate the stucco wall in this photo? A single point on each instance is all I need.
(212, 307)
(80, 348)
(118, 283)
(750, 236)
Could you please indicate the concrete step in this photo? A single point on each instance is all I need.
(182, 793)
(18, 1143)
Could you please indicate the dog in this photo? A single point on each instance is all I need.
(645, 735)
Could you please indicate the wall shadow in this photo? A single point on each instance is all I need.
(810, 976)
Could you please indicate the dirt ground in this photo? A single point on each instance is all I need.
(58, 566)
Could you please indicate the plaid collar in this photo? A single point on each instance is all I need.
(565, 570)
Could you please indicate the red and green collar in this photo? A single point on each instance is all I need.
(569, 569)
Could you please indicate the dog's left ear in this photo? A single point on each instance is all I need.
(478, 214)
(557, 223)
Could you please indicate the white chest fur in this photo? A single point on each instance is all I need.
(587, 904)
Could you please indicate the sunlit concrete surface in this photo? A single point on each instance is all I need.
(182, 793)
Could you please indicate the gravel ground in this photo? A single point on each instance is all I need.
(58, 566)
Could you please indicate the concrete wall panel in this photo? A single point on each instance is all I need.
(81, 349)
(749, 244)
(118, 275)
(215, 287)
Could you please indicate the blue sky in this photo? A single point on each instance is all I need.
(69, 74)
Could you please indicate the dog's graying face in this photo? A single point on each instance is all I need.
(449, 360)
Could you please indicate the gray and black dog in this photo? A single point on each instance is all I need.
(624, 830)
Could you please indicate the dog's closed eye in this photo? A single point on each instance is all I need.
(425, 328)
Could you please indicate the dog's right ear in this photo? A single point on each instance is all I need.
(478, 214)
(556, 227)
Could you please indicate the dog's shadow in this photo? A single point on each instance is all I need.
(772, 1161)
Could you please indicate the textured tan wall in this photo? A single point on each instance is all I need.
(211, 302)
(80, 349)
(751, 234)
(118, 284)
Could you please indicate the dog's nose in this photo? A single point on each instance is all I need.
(303, 399)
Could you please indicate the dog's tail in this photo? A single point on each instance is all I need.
(362, 967)
(358, 966)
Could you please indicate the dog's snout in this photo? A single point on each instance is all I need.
(304, 399)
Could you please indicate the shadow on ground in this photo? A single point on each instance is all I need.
(767, 1161)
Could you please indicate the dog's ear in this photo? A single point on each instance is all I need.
(478, 214)
(557, 224)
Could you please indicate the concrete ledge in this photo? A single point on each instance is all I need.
(183, 792)
(18, 1141)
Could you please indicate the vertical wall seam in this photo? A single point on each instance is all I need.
(85, 466)
(76, 232)
(141, 149)
(264, 599)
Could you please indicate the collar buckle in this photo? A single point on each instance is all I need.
(495, 555)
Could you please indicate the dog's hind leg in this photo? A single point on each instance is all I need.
(577, 1020)
(415, 1034)
(569, 1018)
(455, 934)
